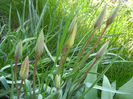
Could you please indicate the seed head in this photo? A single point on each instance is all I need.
(102, 50)
(113, 15)
(40, 44)
(24, 68)
(57, 81)
(100, 18)
(18, 51)
(71, 39)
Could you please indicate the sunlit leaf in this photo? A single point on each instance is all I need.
(92, 94)
(105, 94)
(128, 87)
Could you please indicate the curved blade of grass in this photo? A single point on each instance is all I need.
(48, 52)
(41, 17)
(4, 82)
(88, 85)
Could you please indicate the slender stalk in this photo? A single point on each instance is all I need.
(82, 51)
(57, 94)
(20, 88)
(63, 57)
(95, 45)
(85, 74)
(26, 89)
(15, 73)
(34, 76)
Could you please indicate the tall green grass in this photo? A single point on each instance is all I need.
(25, 19)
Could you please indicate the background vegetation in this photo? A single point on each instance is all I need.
(24, 19)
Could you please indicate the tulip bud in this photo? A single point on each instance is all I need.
(40, 44)
(71, 25)
(57, 81)
(24, 69)
(100, 18)
(102, 50)
(18, 51)
(113, 15)
(71, 39)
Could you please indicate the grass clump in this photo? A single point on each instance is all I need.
(69, 35)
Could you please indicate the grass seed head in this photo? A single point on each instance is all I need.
(113, 15)
(24, 69)
(100, 18)
(71, 39)
(18, 51)
(102, 50)
(40, 44)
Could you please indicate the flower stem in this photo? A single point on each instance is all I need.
(34, 76)
(82, 51)
(84, 76)
(94, 45)
(20, 88)
(63, 57)
(57, 94)
(15, 73)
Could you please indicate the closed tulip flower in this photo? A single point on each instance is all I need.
(24, 68)
(40, 44)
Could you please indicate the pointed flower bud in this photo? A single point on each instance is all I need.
(40, 44)
(24, 69)
(57, 81)
(100, 18)
(113, 15)
(18, 51)
(102, 50)
(72, 25)
(71, 39)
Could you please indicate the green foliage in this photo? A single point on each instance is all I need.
(127, 87)
(25, 19)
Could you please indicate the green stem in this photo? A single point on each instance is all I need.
(26, 89)
(84, 76)
(15, 73)
(34, 76)
(63, 57)
(82, 51)
(57, 94)
(20, 88)
(94, 45)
